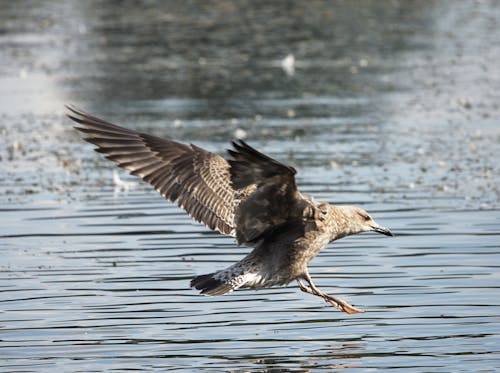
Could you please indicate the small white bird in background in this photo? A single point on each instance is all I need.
(288, 65)
(121, 185)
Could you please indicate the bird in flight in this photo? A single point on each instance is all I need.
(249, 196)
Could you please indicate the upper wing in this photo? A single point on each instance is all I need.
(275, 200)
(199, 181)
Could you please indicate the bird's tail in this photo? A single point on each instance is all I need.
(225, 281)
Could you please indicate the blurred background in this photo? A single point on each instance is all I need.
(390, 105)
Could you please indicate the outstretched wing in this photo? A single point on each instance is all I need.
(275, 201)
(198, 180)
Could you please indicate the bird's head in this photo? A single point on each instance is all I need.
(358, 220)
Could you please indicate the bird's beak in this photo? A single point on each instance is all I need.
(382, 230)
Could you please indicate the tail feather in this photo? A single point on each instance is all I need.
(209, 285)
(225, 281)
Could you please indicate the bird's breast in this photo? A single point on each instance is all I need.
(305, 249)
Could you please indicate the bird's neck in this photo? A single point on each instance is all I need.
(340, 223)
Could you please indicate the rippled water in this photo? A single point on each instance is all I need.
(392, 106)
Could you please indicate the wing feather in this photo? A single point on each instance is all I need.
(198, 180)
(275, 201)
(250, 196)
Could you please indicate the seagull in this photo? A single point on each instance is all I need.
(249, 196)
(288, 64)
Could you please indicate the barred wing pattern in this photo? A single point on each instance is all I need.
(198, 180)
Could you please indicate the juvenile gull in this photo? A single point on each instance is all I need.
(250, 196)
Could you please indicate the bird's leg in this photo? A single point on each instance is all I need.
(335, 302)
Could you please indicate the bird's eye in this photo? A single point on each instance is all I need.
(365, 217)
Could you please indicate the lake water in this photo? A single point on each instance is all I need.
(392, 106)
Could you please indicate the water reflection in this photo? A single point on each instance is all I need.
(229, 57)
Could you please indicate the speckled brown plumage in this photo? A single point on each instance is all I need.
(249, 196)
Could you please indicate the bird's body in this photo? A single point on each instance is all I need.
(250, 196)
